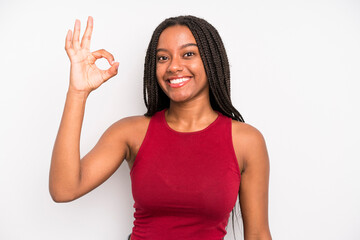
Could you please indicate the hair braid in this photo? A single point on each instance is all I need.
(217, 69)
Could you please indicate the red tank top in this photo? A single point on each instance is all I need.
(184, 184)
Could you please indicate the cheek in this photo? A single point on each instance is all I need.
(198, 69)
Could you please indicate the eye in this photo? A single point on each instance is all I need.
(162, 58)
(189, 54)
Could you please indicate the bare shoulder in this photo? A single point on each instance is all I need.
(130, 130)
(249, 144)
(127, 129)
(130, 124)
(246, 132)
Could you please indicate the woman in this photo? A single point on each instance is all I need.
(187, 154)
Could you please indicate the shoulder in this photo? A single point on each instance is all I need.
(246, 132)
(127, 132)
(129, 126)
(131, 123)
(249, 143)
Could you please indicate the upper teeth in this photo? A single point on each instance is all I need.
(178, 80)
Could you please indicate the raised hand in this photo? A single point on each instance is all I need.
(85, 76)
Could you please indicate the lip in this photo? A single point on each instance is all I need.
(177, 85)
(177, 77)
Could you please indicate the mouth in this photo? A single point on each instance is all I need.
(176, 82)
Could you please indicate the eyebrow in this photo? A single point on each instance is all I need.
(183, 46)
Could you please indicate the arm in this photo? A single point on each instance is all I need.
(69, 177)
(254, 184)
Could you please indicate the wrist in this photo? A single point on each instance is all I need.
(78, 93)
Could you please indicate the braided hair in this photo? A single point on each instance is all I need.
(216, 64)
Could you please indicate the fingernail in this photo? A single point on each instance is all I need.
(112, 62)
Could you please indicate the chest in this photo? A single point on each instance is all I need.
(138, 137)
(198, 174)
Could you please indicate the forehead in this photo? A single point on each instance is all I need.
(177, 35)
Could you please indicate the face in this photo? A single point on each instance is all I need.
(179, 69)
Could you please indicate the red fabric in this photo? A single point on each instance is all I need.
(184, 184)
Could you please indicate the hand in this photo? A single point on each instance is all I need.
(85, 76)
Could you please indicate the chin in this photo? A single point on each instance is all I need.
(178, 100)
(179, 97)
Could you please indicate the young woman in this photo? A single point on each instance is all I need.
(190, 154)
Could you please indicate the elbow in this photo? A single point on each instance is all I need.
(61, 196)
(59, 199)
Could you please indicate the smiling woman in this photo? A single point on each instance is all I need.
(187, 153)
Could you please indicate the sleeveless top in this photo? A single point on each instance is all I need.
(184, 184)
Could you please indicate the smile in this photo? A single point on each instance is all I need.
(178, 82)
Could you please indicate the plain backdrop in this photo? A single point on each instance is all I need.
(295, 68)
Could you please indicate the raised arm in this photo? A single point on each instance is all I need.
(69, 176)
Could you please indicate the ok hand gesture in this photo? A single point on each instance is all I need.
(85, 76)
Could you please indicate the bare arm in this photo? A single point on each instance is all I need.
(65, 162)
(254, 184)
(69, 177)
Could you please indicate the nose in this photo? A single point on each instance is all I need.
(175, 65)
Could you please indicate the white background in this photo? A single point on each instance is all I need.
(295, 76)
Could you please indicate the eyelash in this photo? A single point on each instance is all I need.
(192, 54)
(160, 57)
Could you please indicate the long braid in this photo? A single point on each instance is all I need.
(216, 66)
(212, 58)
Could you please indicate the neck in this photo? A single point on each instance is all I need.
(190, 115)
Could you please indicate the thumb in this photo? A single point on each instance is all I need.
(112, 71)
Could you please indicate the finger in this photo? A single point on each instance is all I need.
(85, 41)
(68, 46)
(75, 40)
(112, 71)
(103, 54)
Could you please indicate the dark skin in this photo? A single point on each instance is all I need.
(190, 110)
